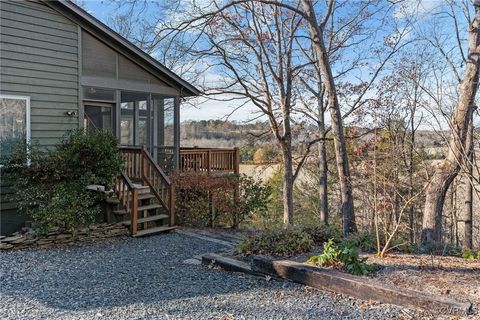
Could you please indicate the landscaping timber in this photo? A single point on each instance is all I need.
(356, 286)
(228, 264)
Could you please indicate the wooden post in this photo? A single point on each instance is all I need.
(236, 191)
(171, 205)
(144, 165)
(134, 212)
(108, 212)
(209, 165)
(236, 159)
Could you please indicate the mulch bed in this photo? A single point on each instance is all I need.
(450, 277)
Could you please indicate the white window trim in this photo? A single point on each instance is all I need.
(27, 117)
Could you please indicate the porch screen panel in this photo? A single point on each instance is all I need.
(134, 125)
(98, 117)
(164, 143)
(127, 121)
(168, 118)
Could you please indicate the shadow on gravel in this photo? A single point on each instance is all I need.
(120, 273)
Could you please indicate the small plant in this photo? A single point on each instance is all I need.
(277, 242)
(470, 254)
(343, 257)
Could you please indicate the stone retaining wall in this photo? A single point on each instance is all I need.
(30, 239)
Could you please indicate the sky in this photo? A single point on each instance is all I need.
(203, 110)
(211, 109)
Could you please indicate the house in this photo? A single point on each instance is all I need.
(61, 69)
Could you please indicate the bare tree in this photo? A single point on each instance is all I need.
(253, 46)
(448, 169)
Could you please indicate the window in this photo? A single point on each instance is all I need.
(14, 123)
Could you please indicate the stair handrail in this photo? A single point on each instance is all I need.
(151, 174)
(123, 189)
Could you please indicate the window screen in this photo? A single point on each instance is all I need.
(97, 58)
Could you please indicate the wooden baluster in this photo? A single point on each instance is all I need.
(209, 168)
(145, 176)
(134, 213)
(171, 205)
(131, 165)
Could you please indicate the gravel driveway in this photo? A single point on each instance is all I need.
(147, 279)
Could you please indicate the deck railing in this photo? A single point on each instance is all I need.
(207, 160)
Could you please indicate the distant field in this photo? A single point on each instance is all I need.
(259, 171)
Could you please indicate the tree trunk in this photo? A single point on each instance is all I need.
(323, 164)
(287, 185)
(323, 176)
(450, 166)
(411, 167)
(467, 214)
(316, 33)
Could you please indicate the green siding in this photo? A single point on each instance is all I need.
(39, 59)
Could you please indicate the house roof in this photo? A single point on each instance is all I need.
(69, 7)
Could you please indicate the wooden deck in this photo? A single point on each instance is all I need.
(209, 160)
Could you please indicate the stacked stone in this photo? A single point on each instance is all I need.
(28, 238)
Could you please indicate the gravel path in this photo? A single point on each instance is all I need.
(147, 279)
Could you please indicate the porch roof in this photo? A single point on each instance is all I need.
(71, 10)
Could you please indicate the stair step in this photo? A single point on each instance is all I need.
(145, 196)
(141, 196)
(113, 200)
(152, 231)
(150, 207)
(141, 188)
(147, 219)
(142, 208)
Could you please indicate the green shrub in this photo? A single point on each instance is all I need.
(470, 254)
(90, 156)
(411, 248)
(52, 187)
(66, 205)
(321, 233)
(254, 199)
(277, 242)
(435, 248)
(364, 241)
(343, 256)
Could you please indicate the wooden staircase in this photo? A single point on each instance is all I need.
(143, 195)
